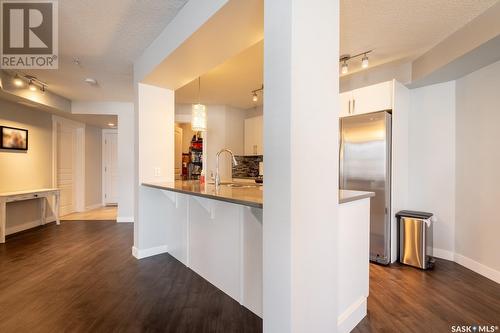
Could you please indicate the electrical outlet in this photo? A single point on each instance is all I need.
(157, 172)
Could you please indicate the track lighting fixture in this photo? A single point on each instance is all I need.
(33, 83)
(346, 57)
(255, 97)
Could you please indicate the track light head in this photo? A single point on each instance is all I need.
(364, 61)
(31, 86)
(255, 98)
(18, 82)
(345, 67)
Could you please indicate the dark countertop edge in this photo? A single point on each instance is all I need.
(359, 196)
(209, 196)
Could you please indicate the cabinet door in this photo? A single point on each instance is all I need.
(373, 98)
(254, 136)
(345, 107)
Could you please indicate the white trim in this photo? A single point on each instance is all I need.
(92, 207)
(347, 320)
(144, 253)
(443, 254)
(124, 219)
(28, 225)
(477, 267)
(469, 263)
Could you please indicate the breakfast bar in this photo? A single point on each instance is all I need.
(218, 234)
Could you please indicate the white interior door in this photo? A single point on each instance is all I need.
(66, 148)
(110, 163)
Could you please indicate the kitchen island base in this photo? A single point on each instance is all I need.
(222, 242)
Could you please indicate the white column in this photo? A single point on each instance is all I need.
(155, 113)
(301, 165)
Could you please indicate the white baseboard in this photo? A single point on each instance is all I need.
(443, 254)
(352, 316)
(92, 207)
(28, 225)
(477, 267)
(469, 263)
(125, 219)
(144, 253)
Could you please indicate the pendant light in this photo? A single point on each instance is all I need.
(199, 114)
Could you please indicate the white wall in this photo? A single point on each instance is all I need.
(432, 160)
(300, 216)
(156, 134)
(155, 113)
(126, 150)
(477, 170)
(93, 167)
(24, 170)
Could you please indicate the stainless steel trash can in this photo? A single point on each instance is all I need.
(415, 238)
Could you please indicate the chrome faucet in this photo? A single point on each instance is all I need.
(217, 175)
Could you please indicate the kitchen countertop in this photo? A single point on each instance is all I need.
(247, 196)
(348, 195)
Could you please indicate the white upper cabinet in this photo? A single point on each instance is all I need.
(345, 104)
(373, 98)
(254, 133)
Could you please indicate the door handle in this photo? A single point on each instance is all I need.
(341, 157)
(349, 106)
(353, 105)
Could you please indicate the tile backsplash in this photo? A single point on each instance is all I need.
(248, 166)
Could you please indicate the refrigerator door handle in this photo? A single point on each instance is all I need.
(341, 156)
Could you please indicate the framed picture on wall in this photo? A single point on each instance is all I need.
(13, 138)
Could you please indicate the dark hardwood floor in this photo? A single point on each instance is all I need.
(405, 299)
(81, 277)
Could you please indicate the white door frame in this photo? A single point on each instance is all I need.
(79, 172)
(103, 166)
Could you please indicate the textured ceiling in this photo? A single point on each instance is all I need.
(401, 29)
(107, 36)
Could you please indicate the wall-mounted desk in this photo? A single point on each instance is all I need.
(43, 194)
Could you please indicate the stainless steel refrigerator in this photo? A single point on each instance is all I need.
(365, 165)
